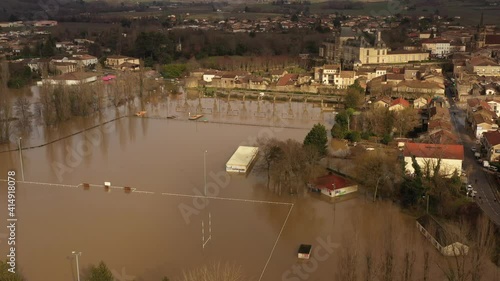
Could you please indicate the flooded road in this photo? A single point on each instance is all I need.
(156, 231)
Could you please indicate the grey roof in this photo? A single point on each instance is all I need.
(347, 32)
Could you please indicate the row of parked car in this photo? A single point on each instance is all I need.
(482, 162)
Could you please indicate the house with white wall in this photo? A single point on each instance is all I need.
(427, 156)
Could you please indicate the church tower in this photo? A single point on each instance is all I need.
(481, 33)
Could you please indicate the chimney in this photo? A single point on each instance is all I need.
(379, 36)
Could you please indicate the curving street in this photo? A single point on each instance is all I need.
(482, 180)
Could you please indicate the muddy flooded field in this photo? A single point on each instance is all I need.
(156, 229)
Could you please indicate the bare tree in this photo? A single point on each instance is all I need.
(482, 245)
(408, 264)
(469, 260)
(406, 120)
(348, 265)
(214, 272)
(288, 163)
(426, 266)
(47, 108)
(378, 170)
(5, 119)
(22, 109)
(271, 153)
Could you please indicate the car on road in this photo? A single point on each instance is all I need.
(493, 168)
(473, 149)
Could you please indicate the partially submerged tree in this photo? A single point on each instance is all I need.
(6, 275)
(5, 119)
(22, 108)
(317, 138)
(214, 272)
(100, 272)
(288, 163)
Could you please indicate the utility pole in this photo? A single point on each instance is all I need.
(205, 171)
(77, 254)
(21, 157)
(376, 187)
(427, 203)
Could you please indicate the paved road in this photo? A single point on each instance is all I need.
(482, 180)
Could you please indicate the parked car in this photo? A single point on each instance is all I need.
(493, 168)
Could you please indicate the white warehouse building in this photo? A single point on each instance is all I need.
(242, 159)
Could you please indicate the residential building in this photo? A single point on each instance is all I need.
(209, 75)
(437, 47)
(63, 67)
(277, 74)
(70, 79)
(118, 62)
(420, 87)
(494, 106)
(399, 104)
(482, 122)
(491, 142)
(85, 60)
(382, 102)
(442, 136)
(345, 79)
(420, 102)
(328, 73)
(483, 66)
(427, 155)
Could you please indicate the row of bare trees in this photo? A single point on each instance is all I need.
(382, 246)
(59, 103)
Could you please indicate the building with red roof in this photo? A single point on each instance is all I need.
(287, 80)
(333, 185)
(427, 156)
(491, 142)
(399, 104)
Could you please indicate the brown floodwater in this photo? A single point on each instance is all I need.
(147, 234)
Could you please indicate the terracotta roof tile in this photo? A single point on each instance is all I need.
(492, 137)
(332, 182)
(401, 101)
(440, 151)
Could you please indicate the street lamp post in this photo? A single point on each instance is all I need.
(21, 158)
(77, 254)
(205, 171)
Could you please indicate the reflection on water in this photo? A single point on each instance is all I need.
(232, 110)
